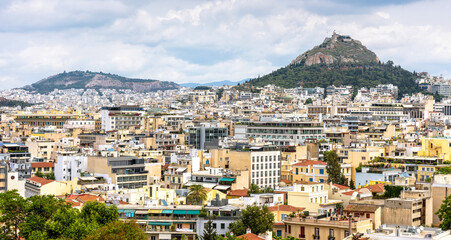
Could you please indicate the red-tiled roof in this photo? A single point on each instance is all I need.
(250, 236)
(348, 193)
(286, 208)
(40, 180)
(309, 162)
(279, 224)
(42, 164)
(340, 186)
(286, 181)
(377, 188)
(85, 198)
(238, 192)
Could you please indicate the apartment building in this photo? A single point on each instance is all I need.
(68, 167)
(123, 117)
(280, 133)
(263, 163)
(125, 172)
(312, 196)
(325, 228)
(315, 171)
(206, 137)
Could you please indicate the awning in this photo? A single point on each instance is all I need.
(192, 212)
(180, 169)
(180, 212)
(227, 179)
(165, 211)
(160, 223)
(222, 187)
(126, 210)
(154, 211)
(141, 212)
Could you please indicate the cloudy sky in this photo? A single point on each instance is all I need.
(202, 41)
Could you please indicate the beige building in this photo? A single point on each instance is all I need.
(325, 228)
(41, 148)
(440, 189)
(313, 197)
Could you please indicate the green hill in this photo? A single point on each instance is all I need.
(13, 103)
(339, 60)
(97, 80)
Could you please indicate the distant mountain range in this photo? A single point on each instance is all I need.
(339, 60)
(97, 80)
(213, 84)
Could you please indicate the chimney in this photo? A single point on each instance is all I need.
(248, 230)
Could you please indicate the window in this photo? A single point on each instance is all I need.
(297, 171)
(316, 231)
(321, 171)
(214, 225)
(302, 235)
(367, 215)
(279, 233)
(289, 229)
(331, 232)
(282, 216)
(222, 225)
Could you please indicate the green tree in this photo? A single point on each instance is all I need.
(197, 195)
(254, 188)
(392, 191)
(12, 213)
(308, 101)
(209, 232)
(443, 170)
(259, 220)
(119, 230)
(333, 169)
(444, 213)
(351, 184)
(99, 213)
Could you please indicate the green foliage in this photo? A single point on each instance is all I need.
(49, 176)
(209, 231)
(308, 101)
(219, 93)
(197, 194)
(443, 170)
(392, 191)
(202, 88)
(357, 75)
(259, 220)
(119, 230)
(333, 169)
(254, 188)
(444, 213)
(12, 214)
(46, 217)
(13, 103)
(203, 213)
(351, 184)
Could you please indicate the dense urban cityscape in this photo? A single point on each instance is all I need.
(338, 144)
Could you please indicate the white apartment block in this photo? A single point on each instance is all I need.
(265, 170)
(124, 117)
(70, 167)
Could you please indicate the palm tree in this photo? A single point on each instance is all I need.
(197, 194)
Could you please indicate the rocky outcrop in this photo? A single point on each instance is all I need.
(337, 49)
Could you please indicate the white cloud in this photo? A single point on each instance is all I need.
(204, 41)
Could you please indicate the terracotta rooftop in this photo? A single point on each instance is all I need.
(85, 198)
(309, 163)
(238, 192)
(250, 236)
(40, 180)
(42, 164)
(377, 188)
(340, 186)
(286, 181)
(286, 208)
